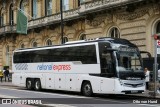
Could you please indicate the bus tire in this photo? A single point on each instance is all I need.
(37, 85)
(29, 84)
(87, 89)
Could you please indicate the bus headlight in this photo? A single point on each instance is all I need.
(121, 82)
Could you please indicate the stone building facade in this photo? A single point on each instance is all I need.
(135, 20)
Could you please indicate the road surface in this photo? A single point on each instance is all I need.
(52, 98)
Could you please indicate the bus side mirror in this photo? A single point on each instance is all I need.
(147, 53)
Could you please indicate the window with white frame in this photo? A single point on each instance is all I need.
(65, 4)
(48, 7)
(114, 33)
(34, 9)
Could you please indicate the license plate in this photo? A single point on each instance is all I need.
(134, 91)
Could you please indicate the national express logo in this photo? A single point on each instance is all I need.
(22, 66)
(54, 67)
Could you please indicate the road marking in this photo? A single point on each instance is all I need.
(7, 96)
(51, 105)
(62, 105)
(58, 105)
(68, 95)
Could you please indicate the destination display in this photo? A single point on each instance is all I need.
(127, 49)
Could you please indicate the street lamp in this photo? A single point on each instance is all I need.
(156, 38)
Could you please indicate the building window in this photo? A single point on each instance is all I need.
(65, 39)
(158, 28)
(22, 46)
(11, 15)
(1, 18)
(48, 7)
(34, 9)
(80, 1)
(34, 44)
(48, 42)
(65, 4)
(22, 5)
(114, 33)
(7, 55)
(82, 37)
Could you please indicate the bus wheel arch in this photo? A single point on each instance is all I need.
(86, 88)
(37, 84)
(29, 83)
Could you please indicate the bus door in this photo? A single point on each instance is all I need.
(107, 72)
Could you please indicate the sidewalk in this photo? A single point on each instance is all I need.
(147, 94)
(6, 83)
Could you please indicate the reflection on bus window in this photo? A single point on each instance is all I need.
(107, 65)
(128, 61)
(125, 62)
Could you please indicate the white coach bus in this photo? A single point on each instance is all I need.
(103, 65)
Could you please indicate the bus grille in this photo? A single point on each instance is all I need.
(133, 85)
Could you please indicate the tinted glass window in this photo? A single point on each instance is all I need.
(84, 54)
(106, 60)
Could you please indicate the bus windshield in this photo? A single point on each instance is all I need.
(128, 61)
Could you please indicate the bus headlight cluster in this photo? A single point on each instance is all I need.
(121, 82)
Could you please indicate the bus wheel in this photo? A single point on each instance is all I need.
(87, 89)
(29, 84)
(37, 85)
